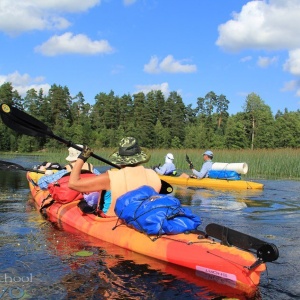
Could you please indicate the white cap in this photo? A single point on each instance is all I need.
(73, 153)
(170, 156)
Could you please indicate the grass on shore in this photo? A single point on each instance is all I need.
(262, 163)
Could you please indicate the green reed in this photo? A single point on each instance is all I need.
(262, 163)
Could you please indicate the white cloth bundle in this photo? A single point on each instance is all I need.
(241, 168)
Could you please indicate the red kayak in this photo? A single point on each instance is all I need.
(199, 251)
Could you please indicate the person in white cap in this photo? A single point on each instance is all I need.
(206, 167)
(168, 168)
(71, 158)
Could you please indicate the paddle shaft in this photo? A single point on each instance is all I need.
(71, 144)
(24, 123)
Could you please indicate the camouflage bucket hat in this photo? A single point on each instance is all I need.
(129, 153)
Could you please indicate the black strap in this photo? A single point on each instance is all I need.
(85, 208)
(101, 204)
(89, 166)
(46, 205)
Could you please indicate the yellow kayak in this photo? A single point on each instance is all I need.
(213, 183)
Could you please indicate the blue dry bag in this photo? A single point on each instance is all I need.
(224, 174)
(153, 213)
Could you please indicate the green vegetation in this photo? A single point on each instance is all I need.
(263, 164)
(156, 122)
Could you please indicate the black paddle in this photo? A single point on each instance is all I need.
(5, 165)
(23, 123)
(188, 160)
(266, 252)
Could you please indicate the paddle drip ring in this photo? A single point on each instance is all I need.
(267, 252)
(5, 108)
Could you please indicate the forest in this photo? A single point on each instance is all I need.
(157, 122)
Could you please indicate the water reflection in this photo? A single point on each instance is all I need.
(12, 180)
(217, 199)
(30, 244)
(112, 272)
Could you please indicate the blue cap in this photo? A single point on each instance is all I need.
(208, 153)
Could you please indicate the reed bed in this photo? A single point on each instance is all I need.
(262, 163)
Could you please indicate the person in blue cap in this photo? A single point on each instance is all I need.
(206, 167)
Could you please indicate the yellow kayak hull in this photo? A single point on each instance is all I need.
(211, 183)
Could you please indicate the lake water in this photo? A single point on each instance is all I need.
(40, 261)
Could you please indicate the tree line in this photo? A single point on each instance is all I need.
(156, 121)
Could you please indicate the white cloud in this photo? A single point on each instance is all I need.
(246, 58)
(168, 65)
(23, 83)
(76, 44)
(290, 86)
(270, 25)
(152, 66)
(129, 2)
(293, 85)
(17, 16)
(292, 64)
(62, 5)
(163, 87)
(264, 61)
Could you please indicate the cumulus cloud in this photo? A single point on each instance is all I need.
(163, 87)
(152, 66)
(76, 44)
(17, 16)
(62, 5)
(270, 25)
(168, 65)
(264, 61)
(292, 64)
(23, 83)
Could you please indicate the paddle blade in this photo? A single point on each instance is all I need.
(166, 188)
(23, 123)
(5, 165)
(187, 159)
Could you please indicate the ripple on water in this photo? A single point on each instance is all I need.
(29, 244)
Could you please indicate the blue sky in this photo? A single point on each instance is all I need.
(190, 46)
